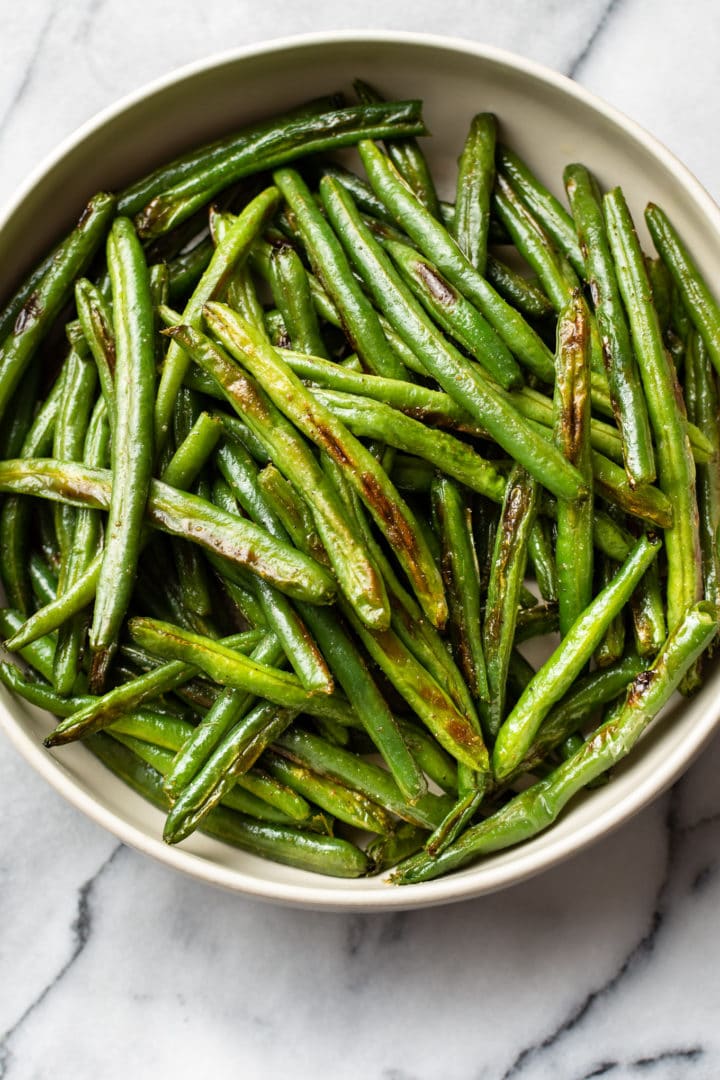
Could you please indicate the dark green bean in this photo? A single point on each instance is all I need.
(178, 513)
(538, 806)
(103, 710)
(406, 155)
(228, 254)
(51, 292)
(436, 244)
(265, 147)
(359, 319)
(558, 673)
(623, 378)
(456, 315)
(506, 577)
(356, 574)
(700, 304)
(675, 465)
(390, 512)
(461, 379)
(475, 180)
(294, 847)
(461, 572)
(131, 458)
(574, 540)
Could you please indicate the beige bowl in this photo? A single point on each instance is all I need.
(549, 120)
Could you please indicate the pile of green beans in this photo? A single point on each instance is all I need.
(289, 480)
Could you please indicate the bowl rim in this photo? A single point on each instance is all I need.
(455, 887)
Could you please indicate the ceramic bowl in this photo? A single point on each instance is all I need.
(550, 121)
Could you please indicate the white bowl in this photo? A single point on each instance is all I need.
(550, 121)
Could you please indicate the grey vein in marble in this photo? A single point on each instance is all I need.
(80, 932)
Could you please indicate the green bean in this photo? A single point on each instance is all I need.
(15, 512)
(675, 465)
(359, 319)
(87, 536)
(227, 710)
(453, 513)
(373, 419)
(103, 710)
(574, 541)
(77, 401)
(648, 614)
(357, 577)
(236, 753)
(39, 653)
(536, 621)
(193, 452)
(18, 425)
(294, 300)
(235, 799)
(506, 577)
(558, 673)
(700, 304)
(624, 382)
(367, 202)
(186, 269)
(439, 766)
(242, 296)
(162, 733)
(517, 290)
(179, 514)
(475, 179)
(702, 403)
(11, 310)
(418, 401)
(542, 560)
(134, 197)
(259, 783)
(457, 820)
(555, 276)
(361, 775)
(460, 378)
(456, 315)
(267, 147)
(385, 852)
(389, 510)
(231, 251)
(239, 432)
(96, 319)
(42, 579)
(302, 652)
(343, 803)
(351, 671)
(406, 155)
(454, 730)
(51, 292)
(130, 459)
(537, 807)
(294, 847)
(219, 662)
(612, 643)
(587, 696)
(550, 214)
(437, 245)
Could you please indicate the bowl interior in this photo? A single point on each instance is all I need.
(546, 119)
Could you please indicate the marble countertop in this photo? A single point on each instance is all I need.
(115, 967)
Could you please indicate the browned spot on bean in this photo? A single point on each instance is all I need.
(398, 530)
(436, 285)
(639, 686)
(29, 313)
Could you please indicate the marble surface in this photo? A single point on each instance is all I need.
(114, 967)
